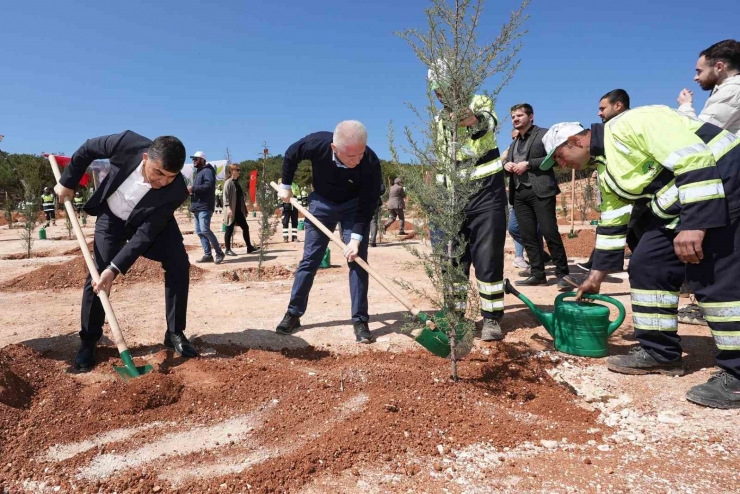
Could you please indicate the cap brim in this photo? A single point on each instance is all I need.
(549, 161)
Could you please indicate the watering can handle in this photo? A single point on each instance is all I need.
(603, 298)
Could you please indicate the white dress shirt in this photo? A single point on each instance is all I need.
(129, 193)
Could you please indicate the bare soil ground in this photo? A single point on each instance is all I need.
(315, 412)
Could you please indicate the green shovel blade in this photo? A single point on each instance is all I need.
(129, 369)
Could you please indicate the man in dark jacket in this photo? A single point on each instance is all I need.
(202, 204)
(346, 181)
(396, 205)
(135, 206)
(532, 192)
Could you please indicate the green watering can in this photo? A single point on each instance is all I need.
(577, 328)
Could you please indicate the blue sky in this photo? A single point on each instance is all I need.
(228, 73)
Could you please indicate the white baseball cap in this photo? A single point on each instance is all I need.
(556, 137)
(199, 154)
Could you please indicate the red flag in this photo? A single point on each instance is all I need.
(63, 161)
(253, 186)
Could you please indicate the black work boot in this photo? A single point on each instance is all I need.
(362, 332)
(288, 324)
(721, 391)
(491, 330)
(531, 281)
(179, 343)
(85, 358)
(639, 362)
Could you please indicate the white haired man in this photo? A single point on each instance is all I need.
(346, 184)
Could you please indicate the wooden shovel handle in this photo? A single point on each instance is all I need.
(376, 276)
(112, 321)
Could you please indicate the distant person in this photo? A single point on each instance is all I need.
(202, 204)
(396, 205)
(79, 202)
(219, 199)
(48, 203)
(376, 214)
(135, 207)
(346, 180)
(718, 71)
(533, 192)
(290, 216)
(235, 211)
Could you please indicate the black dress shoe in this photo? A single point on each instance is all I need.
(531, 281)
(85, 358)
(179, 343)
(252, 249)
(205, 259)
(230, 252)
(288, 324)
(362, 332)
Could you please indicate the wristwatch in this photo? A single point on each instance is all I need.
(114, 268)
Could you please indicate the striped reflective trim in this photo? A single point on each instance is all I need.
(673, 224)
(655, 322)
(611, 242)
(721, 311)
(727, 340)
(667, 196)
(610, 215)
(654, 298)
(612, 184)
(491, 305)
(676, 156)
(723, 145)
(621, 146)
(701, 191)
(487, 169)
(490, 288)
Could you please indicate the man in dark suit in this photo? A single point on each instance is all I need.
(135, 206)
(532, 192)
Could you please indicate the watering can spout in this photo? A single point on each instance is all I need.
(546, 318)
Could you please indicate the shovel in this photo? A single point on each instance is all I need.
(434, 335)
(129, 370)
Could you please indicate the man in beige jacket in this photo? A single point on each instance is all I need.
(718, 71)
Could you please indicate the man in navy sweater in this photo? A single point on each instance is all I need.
(346, 183)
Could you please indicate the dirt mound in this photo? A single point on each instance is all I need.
(73, 273)
(269, 273)
(75, 251)
(580, 246)
(277, 421)
(14, 391)
(22, 255)
(147, 392)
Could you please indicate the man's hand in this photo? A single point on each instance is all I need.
(467, 119)
(228, 211)
(285, 194)
(509, 167)
(106, 281)
(687, 245)
(520, 168)
(352, 250)
(190, 190)
(63, 192)
(685, 96)
(592, 284)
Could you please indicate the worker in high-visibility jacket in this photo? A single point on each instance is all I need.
(79, 202)
(690, 171)
(290, 217)
(48, 203)
(484, 228)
